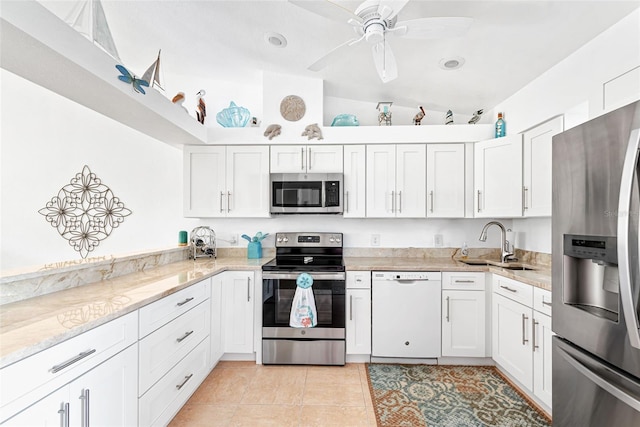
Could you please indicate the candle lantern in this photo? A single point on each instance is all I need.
(384, 113)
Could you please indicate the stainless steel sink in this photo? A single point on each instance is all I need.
(473, 261)
(505, 265)
(515, 267)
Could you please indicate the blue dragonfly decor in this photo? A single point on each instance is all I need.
(127, 77)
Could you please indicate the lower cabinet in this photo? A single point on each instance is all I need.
(216, 335)
(105, 395)
(542, 350)
(238, 293)
(358, 312)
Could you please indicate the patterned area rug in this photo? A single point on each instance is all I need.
(448, 396)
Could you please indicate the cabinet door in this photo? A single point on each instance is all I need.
(324, 159)
(381, 181)
(248, 181)
(358, 321)
(445, 180)
(542, 373)
(288, 159)
(498, 177)
(204, 181)
(537, 167)
(463, 323)
(52, 411)
(238, 300)
(411, 181)
(354, 181)
(512, 339)
(217, 349)
(107, 395)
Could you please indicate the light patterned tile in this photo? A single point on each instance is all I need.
(195, 415)
(266, 415)
(224, 386)
(333, 374)
(281, 386)
(333, 394)
(334, 416)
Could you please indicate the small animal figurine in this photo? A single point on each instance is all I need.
(476, 116)
(418, 117)
(127, 77)
(312, 131)
(448, 120)
(179, 100)
(201, 111)
(272, 131)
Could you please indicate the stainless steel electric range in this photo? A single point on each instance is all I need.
(320, 255)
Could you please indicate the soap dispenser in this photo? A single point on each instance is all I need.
(465, 250)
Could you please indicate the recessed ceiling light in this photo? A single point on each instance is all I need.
(275, 39)
(452, 63)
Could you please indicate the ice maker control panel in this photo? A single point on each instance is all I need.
(602, 248)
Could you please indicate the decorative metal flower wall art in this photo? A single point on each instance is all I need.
(85, 212)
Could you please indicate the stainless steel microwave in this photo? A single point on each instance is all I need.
(306, 193)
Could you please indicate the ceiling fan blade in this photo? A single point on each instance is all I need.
(390, 8)
(434, 28)
(327, 9)
(385, 61)
(333, 55)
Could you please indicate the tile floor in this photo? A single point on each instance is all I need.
(246, 394)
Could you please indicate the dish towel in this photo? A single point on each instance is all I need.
(303, 308)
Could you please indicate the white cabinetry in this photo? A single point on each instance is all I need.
(216, 336)
(396, 181)
(95, 371)
(228, 181)
(522, 335)
(354, 182)
(463, 314)
(445, 180)
(537, 167)
(498, 177)
(306, 159)
(358, 314)
(238, 291)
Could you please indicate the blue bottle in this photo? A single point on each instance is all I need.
(501, 127)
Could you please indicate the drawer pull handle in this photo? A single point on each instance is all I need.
(524, 329)
(187, 378)
(464, 281)
(58, 368)
(535, 345)
(547, 303)
(447, 309)
(508, 288)
(85, 408)
(180, 304)
(184, 336)
(64, 414)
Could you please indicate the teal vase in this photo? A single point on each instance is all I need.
(254, 250)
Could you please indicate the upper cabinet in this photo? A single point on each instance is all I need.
(445, 180)
(306, 159)
(354, 183)
(498, 177)
(537, 167)
(396, 181)
(228, 181)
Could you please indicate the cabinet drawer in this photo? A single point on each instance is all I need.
(162, 349)
(32, 378)
(459, 280)
(163, 401)
(514, 290)
(165, 310)
(358, 280)
(542, 301)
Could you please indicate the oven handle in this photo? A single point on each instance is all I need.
(294, 276)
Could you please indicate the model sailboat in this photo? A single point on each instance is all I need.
(88, 18)
(152, 75)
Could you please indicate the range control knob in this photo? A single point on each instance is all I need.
(338, 239)
(331, 239)
(285, 239)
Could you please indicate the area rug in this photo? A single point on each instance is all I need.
(448, 396)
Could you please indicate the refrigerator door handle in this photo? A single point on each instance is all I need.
(601, 382)
(624, 217)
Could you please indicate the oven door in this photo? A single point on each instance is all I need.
(278, 290)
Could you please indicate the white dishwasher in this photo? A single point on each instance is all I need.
(405, 312)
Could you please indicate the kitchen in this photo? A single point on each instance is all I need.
(140, 159)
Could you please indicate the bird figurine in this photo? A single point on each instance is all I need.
(418, 117)
(448, 120)
(476, 117)
(201, 111)
(179, 100)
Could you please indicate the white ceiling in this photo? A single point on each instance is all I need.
(509, 44)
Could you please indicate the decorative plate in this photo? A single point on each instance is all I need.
(292, 108)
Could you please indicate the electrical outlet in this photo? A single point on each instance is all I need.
(234, 240)
(375, 240)
(437, 240)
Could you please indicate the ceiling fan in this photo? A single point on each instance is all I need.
(374, 21)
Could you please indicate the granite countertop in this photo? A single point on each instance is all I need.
(34, 324)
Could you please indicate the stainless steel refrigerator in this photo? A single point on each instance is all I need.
(596, 272)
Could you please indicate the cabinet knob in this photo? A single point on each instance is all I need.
(406, 343)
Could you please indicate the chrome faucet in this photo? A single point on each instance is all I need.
(506, 253)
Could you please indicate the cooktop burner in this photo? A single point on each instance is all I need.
(307, 252)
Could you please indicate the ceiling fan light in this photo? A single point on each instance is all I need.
(374, 33)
